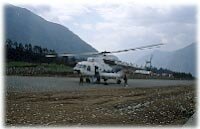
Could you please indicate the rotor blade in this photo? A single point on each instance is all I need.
(71, 54)
(78, 54)
(104, 52)
(138, 48)
(51, 55)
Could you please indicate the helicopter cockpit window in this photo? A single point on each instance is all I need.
(88, 68)
(84, 66)
(79, 65)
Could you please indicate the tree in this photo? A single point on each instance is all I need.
(19, 52)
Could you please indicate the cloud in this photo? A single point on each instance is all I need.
(63, 12)
(87, 26)
(114, 26)
(137, 25)
(39, 8)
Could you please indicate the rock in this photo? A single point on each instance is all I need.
(93, 116)
(129, 107)
(27, 108)
(129, 112)
(79, 124)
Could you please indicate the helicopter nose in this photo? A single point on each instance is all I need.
(78, 71)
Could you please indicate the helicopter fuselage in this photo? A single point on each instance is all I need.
(104, 66)
(95, 67)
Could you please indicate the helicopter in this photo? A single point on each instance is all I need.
(103, 65)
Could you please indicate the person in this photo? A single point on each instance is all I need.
(125, 80)
(81, 80)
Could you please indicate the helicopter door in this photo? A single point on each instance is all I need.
(88, 68)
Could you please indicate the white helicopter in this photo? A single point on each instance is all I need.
(103, 65)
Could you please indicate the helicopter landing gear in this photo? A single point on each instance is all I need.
(119, 81)
(105, 81)
(92, 80)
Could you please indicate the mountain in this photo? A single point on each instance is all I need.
(182, 60)
(23, 26)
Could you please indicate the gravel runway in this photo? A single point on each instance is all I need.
(61, 101)
(43, 84)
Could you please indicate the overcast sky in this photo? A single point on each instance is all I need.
(114, 26)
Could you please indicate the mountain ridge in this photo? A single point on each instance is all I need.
(24, 26)
(181, 60)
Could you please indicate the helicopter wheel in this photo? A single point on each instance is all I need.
(105, 83)
(118, 81)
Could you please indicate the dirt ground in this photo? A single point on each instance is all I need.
(166, 106)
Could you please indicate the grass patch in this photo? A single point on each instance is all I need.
(20, 64)
(18, 67)
(56, 67)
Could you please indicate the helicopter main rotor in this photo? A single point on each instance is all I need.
(104, 52)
